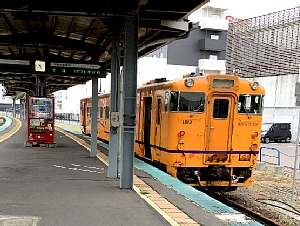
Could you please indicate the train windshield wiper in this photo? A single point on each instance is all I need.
(196, 110)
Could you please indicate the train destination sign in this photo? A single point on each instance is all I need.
(97, 70)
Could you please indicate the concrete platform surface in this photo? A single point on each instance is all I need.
(64, 186)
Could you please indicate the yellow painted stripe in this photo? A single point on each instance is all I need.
(15, 129)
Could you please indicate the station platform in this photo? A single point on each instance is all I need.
(43, 186)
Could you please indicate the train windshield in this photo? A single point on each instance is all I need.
(187, 101)
(250, 104)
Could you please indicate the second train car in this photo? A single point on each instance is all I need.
(203, 130)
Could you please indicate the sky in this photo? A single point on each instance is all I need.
(251, 8)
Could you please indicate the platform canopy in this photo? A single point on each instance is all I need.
(81, 32)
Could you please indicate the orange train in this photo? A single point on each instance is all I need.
(203, 130)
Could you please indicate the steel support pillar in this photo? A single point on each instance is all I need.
(93, 152)
(21, 109)
(113, 163)
(14, 108)
(40, 86)
(24, 108)
(129, 101)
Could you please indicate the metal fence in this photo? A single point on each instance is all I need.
(274, 156)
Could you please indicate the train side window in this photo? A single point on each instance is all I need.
(158, 111)
(107, 112)
(166, 101)
(101, 112)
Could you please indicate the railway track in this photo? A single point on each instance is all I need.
(241, 208)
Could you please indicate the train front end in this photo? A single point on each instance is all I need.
(215, 124)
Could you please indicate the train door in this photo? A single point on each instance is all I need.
(158, 127)
(84, 117)
(147, 126)
(106, 122)
(219, 128)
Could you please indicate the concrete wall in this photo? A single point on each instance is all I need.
(280, 101)
(187, 52)
(4, 100)
(280, 90)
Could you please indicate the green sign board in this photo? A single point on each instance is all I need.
(78, 69)
(54, 68)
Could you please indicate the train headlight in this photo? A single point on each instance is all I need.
(189, 82)
(254, 85)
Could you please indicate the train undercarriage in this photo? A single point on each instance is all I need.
(214, 175)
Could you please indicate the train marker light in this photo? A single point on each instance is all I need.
(189, 82)
(255, 134)
(181, 133)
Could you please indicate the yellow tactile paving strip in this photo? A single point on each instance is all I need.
(170, 212)
(12, 131)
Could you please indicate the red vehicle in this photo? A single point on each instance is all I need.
(40, 120)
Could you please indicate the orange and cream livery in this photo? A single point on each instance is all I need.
(203, 130)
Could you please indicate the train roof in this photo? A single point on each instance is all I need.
(162, 82)
(99, 95)
(159, 82)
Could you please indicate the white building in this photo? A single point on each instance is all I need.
(3, 99)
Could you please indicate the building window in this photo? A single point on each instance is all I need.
(161, 55)
(154, 56)
(215, 37)
(215, 16)
(213, 57)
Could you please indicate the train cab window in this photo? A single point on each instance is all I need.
(221, 107)
(187, 101)
(107, 112)
(101, 112)
(174, 101)
(166, 101)
(250, 104)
